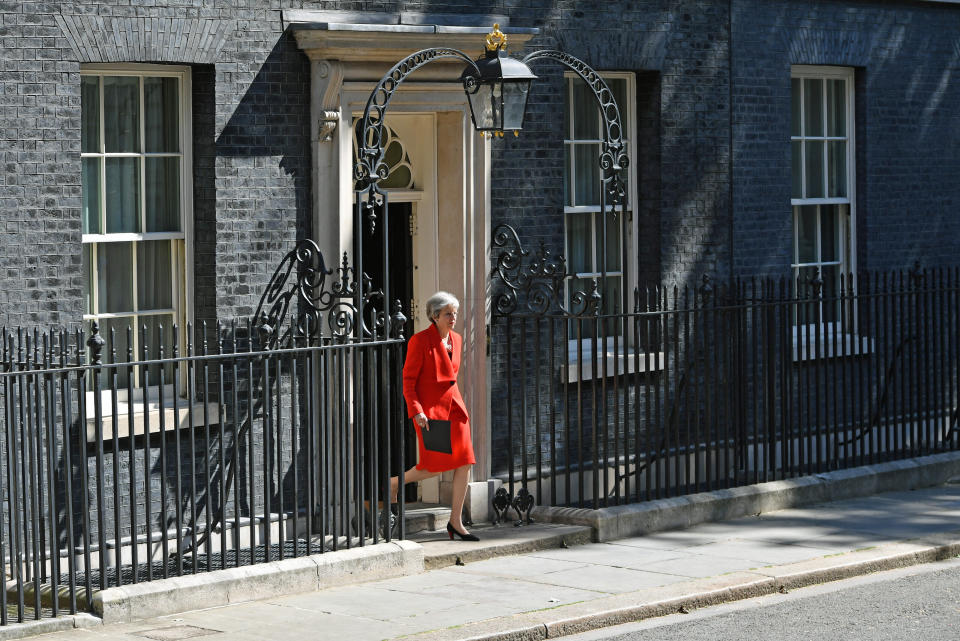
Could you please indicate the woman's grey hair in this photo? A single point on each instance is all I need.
(438, 301)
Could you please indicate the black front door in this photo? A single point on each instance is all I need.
(399, 275)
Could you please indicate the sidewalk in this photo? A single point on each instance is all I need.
(563, 590)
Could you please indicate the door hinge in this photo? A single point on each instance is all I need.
(413, 223)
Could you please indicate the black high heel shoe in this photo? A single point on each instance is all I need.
(463, 537)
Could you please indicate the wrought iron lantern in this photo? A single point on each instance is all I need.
(497, 87)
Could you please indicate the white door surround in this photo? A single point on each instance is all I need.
(451, 195)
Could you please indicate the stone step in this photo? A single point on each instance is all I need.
(419, 517)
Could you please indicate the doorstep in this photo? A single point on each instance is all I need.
(496, 540)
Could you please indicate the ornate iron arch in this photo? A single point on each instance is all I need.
(613, 156)
(540, 282)
(370, 168)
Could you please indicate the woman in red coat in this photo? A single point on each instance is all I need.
(430, 389)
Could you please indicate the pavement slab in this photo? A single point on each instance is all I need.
(547, 590)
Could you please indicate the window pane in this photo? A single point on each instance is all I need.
(619, 88)
(114, 332)
(90, 110)
(121, 114)
(161, 120)
(795, 109)
(611, 304)
(806, 222)
(813, 107)
(159, 333)
(829, 233)
(162, 186)
(587, 173)
(567, 175)
(814, 166)
(836, 108)
(579, 238)
(586, 112)
(837, 168)
(829, 293)
(115, 277)
(613, 241)
(87, 278)
(90, 200)
(154, 275)
(806, 312)
(567, 108)
(123, 195)
(796, 149)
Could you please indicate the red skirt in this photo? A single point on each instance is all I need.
(460, 442)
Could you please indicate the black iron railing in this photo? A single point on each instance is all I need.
(716, 386)
(224, 447)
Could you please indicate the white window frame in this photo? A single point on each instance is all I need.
(609, 360)
(628, 119)
(829, 335)
(182, 268)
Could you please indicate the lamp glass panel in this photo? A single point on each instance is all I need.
(514, 103)
(482, 108)
(496, 104)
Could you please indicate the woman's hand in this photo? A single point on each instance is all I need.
(421, 420)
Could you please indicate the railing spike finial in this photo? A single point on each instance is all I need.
(817, 282)
(96, 343)
(594, 298)
(916, 273)
(706, 287)
(397, 319)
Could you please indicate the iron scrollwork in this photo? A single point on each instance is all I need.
(539, 282)
(302, 280)
(370, 168)
(613, 155)
(522, 503)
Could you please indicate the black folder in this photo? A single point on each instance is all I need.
(437, 438)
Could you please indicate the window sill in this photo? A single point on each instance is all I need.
(615, 364)
(151, 415)
(828, 344)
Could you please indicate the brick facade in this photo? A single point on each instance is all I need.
(713, 104)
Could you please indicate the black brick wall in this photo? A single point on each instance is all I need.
(713, 122)
(906, 55)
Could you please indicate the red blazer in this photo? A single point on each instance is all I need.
(430, 375)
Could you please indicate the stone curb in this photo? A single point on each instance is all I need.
(638, 519)
(233, 585)
(698, 593)
(48, 626)
(569, 535)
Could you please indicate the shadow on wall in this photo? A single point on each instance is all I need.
(263, 165)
